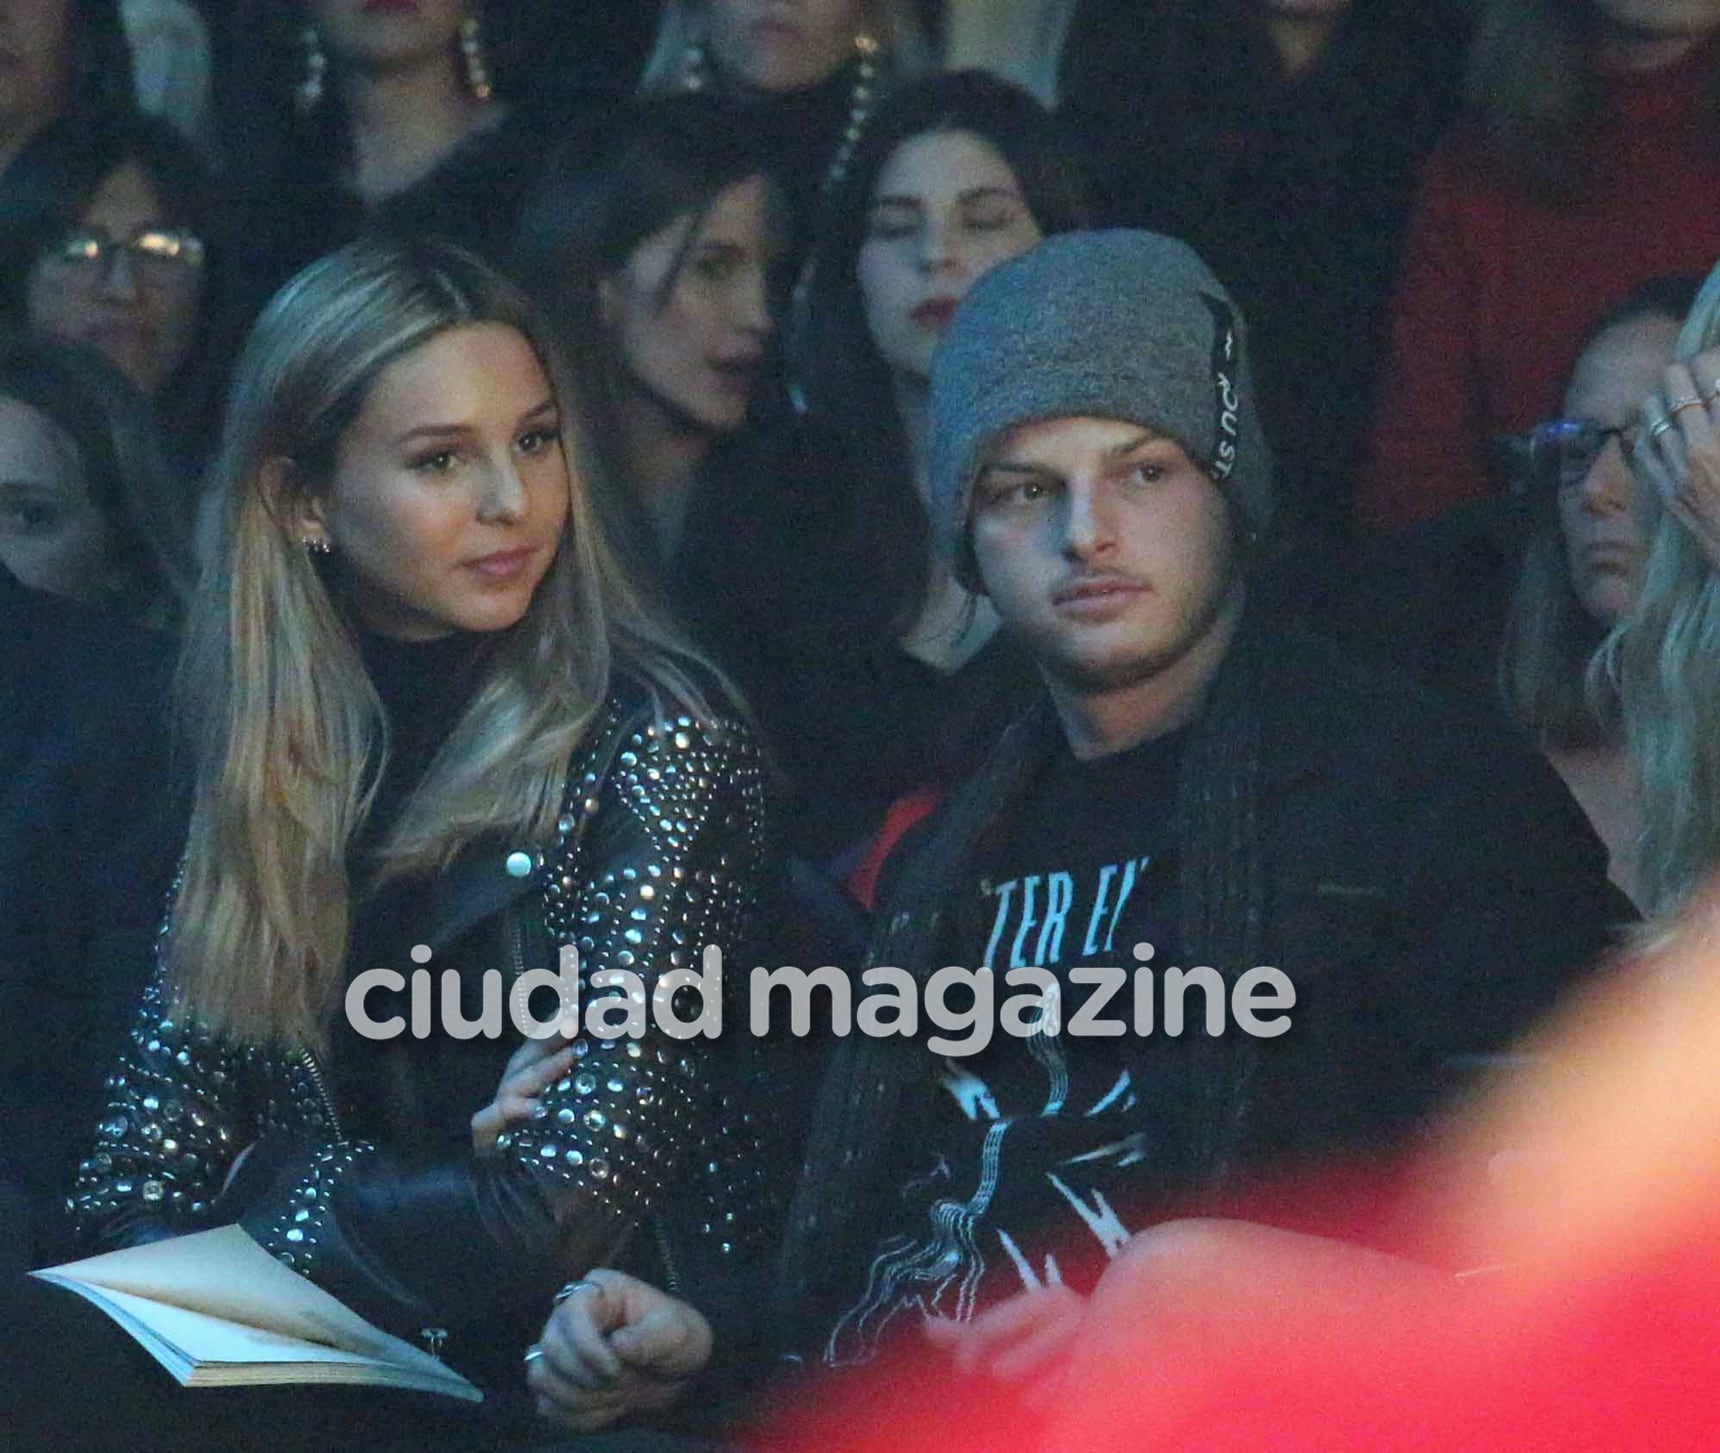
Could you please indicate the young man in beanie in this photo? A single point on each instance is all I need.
(1198, 791)
(1199, 788)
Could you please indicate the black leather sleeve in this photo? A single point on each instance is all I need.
(668, 863)
(180, 1106)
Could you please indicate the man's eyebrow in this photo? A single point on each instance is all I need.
(1124, 447)
(1015, 466)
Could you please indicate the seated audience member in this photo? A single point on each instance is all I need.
(810, 77)
(64, 58)
(89, 824)
(902, 681)
(107, 237)
(1280, 139)
(341, 118)
(1579, 574)
(89, 506)
(1587, 118)
(1661, 657)
(1194, 779)
(655, 261)
(428, 706)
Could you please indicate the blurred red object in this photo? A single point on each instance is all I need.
(1589, 1318)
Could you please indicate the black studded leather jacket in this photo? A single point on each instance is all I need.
(650, 1152)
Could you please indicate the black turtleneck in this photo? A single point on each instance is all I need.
(424, 686)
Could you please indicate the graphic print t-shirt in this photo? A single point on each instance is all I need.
(1023, 1154)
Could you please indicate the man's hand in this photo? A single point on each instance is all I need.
(615, 1347)
(533, 1068)
(1026, 1338)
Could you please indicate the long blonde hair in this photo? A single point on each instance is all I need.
(1663, 658)
(288, 734)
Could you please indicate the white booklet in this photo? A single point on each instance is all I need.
(216, 1310)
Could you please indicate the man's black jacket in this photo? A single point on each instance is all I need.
(1429, 887)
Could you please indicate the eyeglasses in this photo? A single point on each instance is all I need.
(1560, 453)
(156, 254)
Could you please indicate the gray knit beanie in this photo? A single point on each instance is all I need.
(1115, 325)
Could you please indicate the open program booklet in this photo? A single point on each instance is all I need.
(216, 1310)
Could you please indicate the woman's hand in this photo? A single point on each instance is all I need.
(533, 1068)
(1679, 448)
(615, 1347)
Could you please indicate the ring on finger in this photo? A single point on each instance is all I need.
(1678, 406)
(532, 1353)
(575, 1286)
(1658, 427)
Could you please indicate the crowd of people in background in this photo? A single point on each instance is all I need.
(913, 482)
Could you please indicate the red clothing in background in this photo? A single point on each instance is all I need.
(1499, 289)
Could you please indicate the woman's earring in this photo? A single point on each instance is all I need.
(473, 61)
(318, 545)
(309, 92)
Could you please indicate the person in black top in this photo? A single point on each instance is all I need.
(656, 260)
(1361, 884)
(1250, 799)
(433, 721)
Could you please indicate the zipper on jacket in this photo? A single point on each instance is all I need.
(671, 1272)
(314, 1070)
(516, 942)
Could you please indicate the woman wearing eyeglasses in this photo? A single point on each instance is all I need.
(1662, 658)
(104, 240)
(1584, 562)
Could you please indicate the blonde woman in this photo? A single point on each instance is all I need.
(436, 729)
(1580, 570)
(1664, 656)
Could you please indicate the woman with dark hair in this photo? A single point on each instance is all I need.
(1279, 139)
(956, 174)
(1583, 563)
(1589, 163)
(89, 507)
(654, 257)
(107, 232)
(430, 713)
(341, 117)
